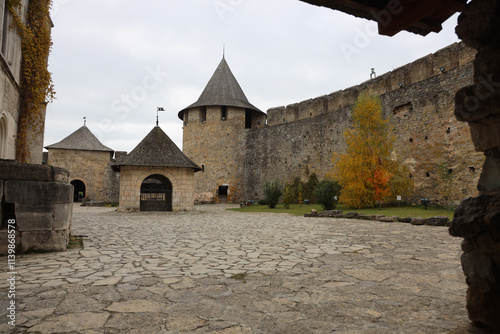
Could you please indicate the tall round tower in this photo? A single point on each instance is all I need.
(214, 134)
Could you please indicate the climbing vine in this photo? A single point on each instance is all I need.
(37, 88)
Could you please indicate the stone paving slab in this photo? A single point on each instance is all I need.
(219, 271)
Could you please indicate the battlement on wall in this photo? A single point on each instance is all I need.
(435, 64)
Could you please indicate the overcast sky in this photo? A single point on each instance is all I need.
(116, 61)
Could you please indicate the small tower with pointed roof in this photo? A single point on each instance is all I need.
(214, 133)
(89, 164)
(156, 176)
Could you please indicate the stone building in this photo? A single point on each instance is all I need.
(239, 149)
(89, 164)
(214, 136)
(35, 200)
(10, 88)
(10, 76)
(156, 176)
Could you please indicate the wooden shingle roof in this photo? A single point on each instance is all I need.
(82, 139)
(157, 150)
(222, 90)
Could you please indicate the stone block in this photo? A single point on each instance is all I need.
(32, 192)
(4, 242)
(331, 213)
(45, 240)
(376, 217)
(487, 64)
(437, 221)
(63, 214)
(11, 170)
(490, 175)
(34, 217)
(351, 215)
(485, 134)
(478, 101)
(405, 220)
(61, 175)
(478, 24)
(477, 215)
(418, 221)
(364, 217)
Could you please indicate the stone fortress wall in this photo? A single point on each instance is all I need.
(419, 100)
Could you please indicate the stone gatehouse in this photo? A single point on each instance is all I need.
(156, 176)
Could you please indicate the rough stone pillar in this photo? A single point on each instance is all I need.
(477, 220)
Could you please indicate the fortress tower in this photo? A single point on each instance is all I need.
(215, 127)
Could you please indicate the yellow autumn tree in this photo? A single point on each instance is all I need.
(366, 172)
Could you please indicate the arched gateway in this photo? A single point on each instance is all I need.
(156, 194)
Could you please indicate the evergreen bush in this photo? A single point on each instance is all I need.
(272, 193)
(325, 194)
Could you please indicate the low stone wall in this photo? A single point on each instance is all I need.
(433, 221)
(39, 199)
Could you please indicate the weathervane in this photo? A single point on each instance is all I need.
(84, 120)
(158, 109)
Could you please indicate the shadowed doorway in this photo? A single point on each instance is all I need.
(79, 190)
(156, 194)
(223, 191)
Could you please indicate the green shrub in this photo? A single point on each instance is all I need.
(325, 194)
(309, 188)
(272, 193)
(262, 202)
(292, 193)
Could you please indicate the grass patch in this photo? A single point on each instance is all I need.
(75, 241)
(295, 209)
(240, 277)
(403, 211)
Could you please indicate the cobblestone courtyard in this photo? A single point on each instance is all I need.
(219, 271)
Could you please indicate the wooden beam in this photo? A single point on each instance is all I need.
(346, 6)
(428, 25)
(398, 15)
(453, 5)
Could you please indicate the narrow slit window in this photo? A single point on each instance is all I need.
(223, 113)
(203, 114)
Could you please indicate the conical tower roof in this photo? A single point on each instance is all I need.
(157, 150)
(222, 90)
(82, 139)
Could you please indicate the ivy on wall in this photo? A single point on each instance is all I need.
(37, 88)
